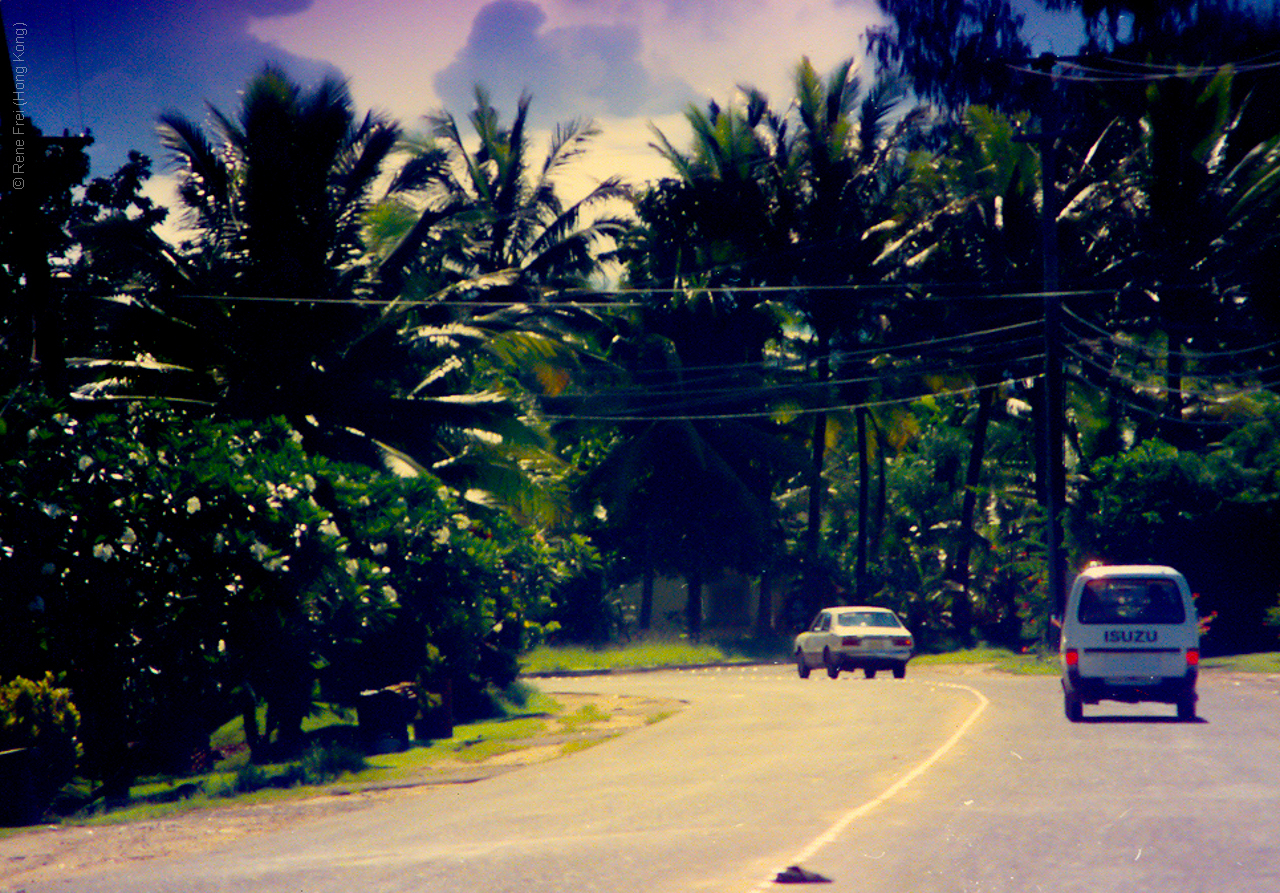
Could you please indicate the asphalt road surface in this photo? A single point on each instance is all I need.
(939, 782)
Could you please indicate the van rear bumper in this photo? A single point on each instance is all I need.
(1165, 690)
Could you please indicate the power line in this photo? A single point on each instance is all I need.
(675, 401)
(1104, 76)
(921, 291)
(789, 411)
(1269, 346)
(1164, 389)
(842, 357)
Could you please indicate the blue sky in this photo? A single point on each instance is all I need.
(112, 67)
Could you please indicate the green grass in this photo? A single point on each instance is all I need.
(1029, 664)
(660, 653)
(651, 653)
(156, 798)
(583, 744)
(1266, 662)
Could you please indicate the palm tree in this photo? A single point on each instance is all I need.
(969, 214)
(1208, 218)
(851, 172)
(268, 309)
(277, 205)
(785, 200)
(487, 215)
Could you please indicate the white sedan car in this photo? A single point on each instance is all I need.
(854, 637)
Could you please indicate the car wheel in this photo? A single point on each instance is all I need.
(833, 670)
(869, 673)
(1187, 708)
(900, 671)
(802, 667)
(1072, 706)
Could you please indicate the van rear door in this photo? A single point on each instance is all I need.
(1133, 629)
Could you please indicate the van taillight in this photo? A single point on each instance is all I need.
(904, 642)
(850, 641)
(1072, 657)
(1193, 657)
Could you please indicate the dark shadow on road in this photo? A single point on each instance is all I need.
(1120, 719)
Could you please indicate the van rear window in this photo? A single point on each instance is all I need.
(1131, 600)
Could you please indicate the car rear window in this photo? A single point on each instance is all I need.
(1131, 600)
(869, 618)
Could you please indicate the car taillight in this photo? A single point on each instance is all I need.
(1193, 657)
(903, 642)
(1072, 657)
(851, 641)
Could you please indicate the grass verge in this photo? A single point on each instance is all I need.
(236, 781)
(658, 654)
(647, 654)
(1267, 662)
(1001, 659)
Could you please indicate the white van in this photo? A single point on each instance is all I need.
(1130, 633)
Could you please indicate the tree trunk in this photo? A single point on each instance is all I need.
(864, 475)
(882, 490)
(646, 581)
(693, 609)
(249, 713)
(962, 607)
(764, 609)
(816, 486)
(1175, 370)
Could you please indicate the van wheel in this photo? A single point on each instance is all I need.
(801, 667)
(869, 673)
(833, 670)
(1073, 707)
(899, 671)
(1187, 708)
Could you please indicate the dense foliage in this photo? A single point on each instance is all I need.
(177, 570)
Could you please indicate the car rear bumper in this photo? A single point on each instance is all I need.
(884, 660)
(1162, 689)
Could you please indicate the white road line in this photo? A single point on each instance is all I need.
(842, 825)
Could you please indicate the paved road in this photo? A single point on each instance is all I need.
(938, 782)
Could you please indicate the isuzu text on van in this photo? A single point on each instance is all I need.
(1130, 633)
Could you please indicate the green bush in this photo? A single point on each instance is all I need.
(39, 715)
(322, 763)
(249, 778)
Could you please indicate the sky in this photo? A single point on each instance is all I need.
(112, 66)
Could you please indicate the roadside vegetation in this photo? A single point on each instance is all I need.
(526, 718)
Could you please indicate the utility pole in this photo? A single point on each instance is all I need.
(1055, 476)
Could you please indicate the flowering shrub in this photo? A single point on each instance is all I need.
(177, 569)
(39, 715)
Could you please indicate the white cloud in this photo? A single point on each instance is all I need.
(577, 70)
